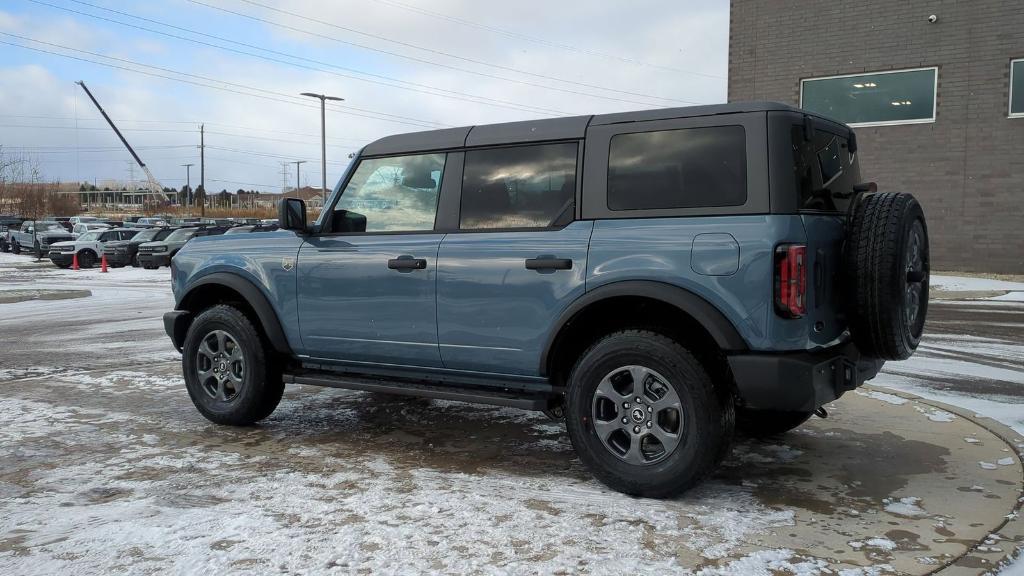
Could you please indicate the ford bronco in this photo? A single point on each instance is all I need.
(658, 277)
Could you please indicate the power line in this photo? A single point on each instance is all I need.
(423, 88)
(174, 130)
(450, 67)
(277, 96)
(447, 54)
(538, 40)
(196, 122)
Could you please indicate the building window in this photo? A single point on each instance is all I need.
(687, 168)
(518, 187)
(1017, 88)
(875, 99)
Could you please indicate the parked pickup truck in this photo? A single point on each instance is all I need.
(124, 252)
(34, 235)
(658, 277)
(88, 247)
(155, 254)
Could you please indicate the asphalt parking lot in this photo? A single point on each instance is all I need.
(105, 466)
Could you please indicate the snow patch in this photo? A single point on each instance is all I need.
(907, 507)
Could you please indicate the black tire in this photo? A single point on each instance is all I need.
(888, 263)
(64, 266)
(704, 423)
(15, 247)
(149, 267)
(135, 261)
(4, 246)
(86, 259)
(260, 383)
(764, 423)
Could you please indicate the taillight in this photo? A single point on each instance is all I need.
(791, 280)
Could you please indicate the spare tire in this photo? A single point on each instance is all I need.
(887, 266)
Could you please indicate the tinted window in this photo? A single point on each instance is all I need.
(688, 168)
(390, 194)
(518, 187)
(891, 97)
(164, 233)
(1017, 88)
(824, 170)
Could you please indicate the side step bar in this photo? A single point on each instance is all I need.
(475, 395)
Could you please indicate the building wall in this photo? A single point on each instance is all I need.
(967, 168)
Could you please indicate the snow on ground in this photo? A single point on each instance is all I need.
(966, 284)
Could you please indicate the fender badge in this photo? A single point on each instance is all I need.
(287, 263)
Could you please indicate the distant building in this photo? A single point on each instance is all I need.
(935, 91)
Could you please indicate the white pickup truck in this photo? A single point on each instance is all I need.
(88, 247)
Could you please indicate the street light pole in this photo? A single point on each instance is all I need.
(323, 139)
(188, 182)
(297, 163)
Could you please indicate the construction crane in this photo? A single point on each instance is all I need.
(154, 187)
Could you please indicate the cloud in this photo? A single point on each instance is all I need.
(579, 59)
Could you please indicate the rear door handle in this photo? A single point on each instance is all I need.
(406, 263)
(548, 263)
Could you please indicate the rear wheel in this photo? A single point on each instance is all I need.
(227, 373)
(644, 415)
(15, 247)
(888, 264)
(762, 423)
(4, 246)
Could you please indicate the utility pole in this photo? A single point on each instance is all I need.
(297, 163)
(202, 169)
(188, 182)
(323, 139)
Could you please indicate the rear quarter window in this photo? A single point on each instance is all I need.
(684, 168)
(825, 171)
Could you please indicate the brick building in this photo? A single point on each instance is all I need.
(935, 90)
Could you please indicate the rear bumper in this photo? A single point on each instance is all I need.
(800, 381)
(176, 324)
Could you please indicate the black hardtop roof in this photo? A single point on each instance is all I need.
(563, 128)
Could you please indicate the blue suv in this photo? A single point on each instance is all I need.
(658, 278)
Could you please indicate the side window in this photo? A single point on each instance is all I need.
(518, 187)
(685, 168)
(397, 194)
(825, 171)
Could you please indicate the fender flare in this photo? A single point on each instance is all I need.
(254, 297)
(718, 326)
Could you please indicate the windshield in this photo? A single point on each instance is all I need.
(182, 234)
(147, 234)
(90, 236)
(44, 226)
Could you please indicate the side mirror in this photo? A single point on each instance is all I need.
(291, 214)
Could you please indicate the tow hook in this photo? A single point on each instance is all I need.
(821, 412)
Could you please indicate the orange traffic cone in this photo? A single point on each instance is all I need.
(103, 263)
(74, 261)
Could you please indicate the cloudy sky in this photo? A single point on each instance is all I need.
(161, 68)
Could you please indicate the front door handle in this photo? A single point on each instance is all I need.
(548, 263)
(406, 263)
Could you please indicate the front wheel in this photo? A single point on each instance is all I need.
(86, 259)
(644, 415)
(227, 374)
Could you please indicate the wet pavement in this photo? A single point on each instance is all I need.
(105, 466)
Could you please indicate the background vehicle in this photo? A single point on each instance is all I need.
(124, 252)
(82, 219)
(88, 247)
(36, 236)
(156, 254)
(252, 228)
(660, 277)
(83, 227)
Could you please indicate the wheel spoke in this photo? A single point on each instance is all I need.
(221, 392)
(606, 389)
(204, 349)
(605, 428)
(634, 455)
(667, 439)
(221, 341)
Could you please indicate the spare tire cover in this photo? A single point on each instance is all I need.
(886, 262)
